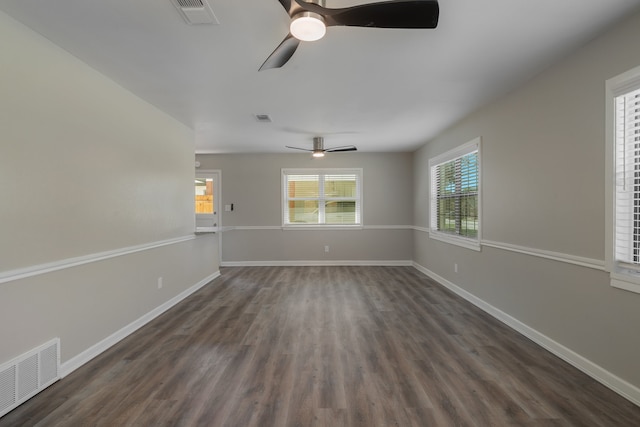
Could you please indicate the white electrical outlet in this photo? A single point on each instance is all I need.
(326, 248)
(455, 268)
(160, 282)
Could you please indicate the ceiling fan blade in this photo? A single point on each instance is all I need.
(387, 14)
(298, 148)
(281, 55)
(343, 148)
(286, 4)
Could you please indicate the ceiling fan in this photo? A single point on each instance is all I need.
(310, 19)
(319, 150)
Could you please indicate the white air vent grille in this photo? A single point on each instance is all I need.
(195, 11)
(190, 3)
(49, 364)
(28, 374)
(7, 388)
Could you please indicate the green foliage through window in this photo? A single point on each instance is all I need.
(455, 189)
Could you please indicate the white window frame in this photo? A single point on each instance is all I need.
(460, 151)
(321, 172)
(622, 275)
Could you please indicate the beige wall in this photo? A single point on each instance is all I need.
(543, 192)
(87, 170)
(252, 182)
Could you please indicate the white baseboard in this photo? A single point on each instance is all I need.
(310, 263)
(615, 383)
(75, 362)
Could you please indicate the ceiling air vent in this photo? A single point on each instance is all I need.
(195, 11)
(263, 118)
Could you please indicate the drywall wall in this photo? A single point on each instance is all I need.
(252, 182)
(78, 176)
(543, 164)
(86, 304)
(97, 202)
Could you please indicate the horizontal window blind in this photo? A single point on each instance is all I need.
(627, 177)
(322, 197)
(454, 193)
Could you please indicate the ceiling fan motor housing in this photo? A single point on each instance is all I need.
(307, 26)
(309, 19)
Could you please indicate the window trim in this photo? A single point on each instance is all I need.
(321, 171)
(462, 150)
(620, 276)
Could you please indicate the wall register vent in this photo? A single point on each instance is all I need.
(28, 374)
(195, 11)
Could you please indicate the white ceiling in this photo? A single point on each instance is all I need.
(379, 89)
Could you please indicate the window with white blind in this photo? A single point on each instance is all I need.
(623, 170)
(455, 196)
(321, 197)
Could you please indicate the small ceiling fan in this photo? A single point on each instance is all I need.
(309, 21)
(318, 149)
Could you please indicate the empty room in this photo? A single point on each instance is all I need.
(319, 213)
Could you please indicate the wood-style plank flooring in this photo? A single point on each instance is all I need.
(325, 346)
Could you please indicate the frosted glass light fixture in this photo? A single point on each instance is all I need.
(307, 26)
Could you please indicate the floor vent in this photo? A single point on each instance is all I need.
(195, 11)
(29, 374)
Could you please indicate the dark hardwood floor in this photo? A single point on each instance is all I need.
(325, 346)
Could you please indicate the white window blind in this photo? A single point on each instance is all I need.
(322, 197)
(622, 180)
(627, 177)
(455, 195)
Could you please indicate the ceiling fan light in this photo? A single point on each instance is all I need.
(318, 153)
(307, 26)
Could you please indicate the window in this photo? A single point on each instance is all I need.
(623, 170)
(204, 195)
(207, 198)
(322, 197)
(455, 196)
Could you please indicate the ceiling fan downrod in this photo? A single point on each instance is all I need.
(318, 146)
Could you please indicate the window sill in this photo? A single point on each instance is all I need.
(458, 241)
(322, 227)
(627, 281)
